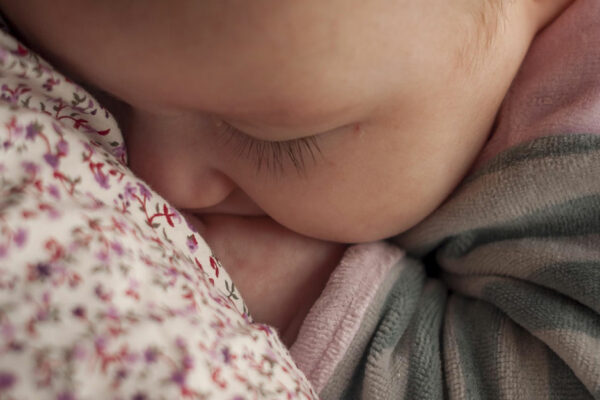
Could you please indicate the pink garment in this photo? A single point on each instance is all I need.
(557, 89)
(335, 318)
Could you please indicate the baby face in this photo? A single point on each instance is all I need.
(343, 120)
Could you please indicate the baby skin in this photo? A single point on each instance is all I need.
(285, 130)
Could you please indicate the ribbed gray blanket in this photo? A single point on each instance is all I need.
(508, 305)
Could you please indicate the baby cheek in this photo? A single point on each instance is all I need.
(327, 207)
(361, 192)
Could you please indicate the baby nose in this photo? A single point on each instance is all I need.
(211, 188)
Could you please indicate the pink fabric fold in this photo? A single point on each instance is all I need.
(557, 89)
(335, 318)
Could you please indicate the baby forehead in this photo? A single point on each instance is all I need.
(305, 28)
(290, 55)
(294, 55)
(308, 35)
(288, 15)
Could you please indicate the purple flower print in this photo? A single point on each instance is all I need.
(3, 251)
(89, 148)
(50, 83)
(122, 374)
(226, 355)
(54, 191)
(117, 248)
(7, 380)
(30, 168)
(42, 315)
(150, 355)
(188, 362)
(16, 346)
(180, 342)
(32, 130)
(113, 313)
(144, 192)
(53, 213)
(102, 256)
(130, 191)
(63, 147)
(51, 159)
(43, 270)
(79, 312)
(79, 352)
(100, 343)
(65, 396)
(20, 237)
(101, 178)
(139, 396)
(120, 152)
(102, 293)
(132, 358)
(178, 377)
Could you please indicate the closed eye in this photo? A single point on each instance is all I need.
(273, 156)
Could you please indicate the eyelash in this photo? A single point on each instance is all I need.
(271, 154)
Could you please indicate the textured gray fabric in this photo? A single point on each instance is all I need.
(515, 311)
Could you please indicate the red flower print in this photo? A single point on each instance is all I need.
(215, 266)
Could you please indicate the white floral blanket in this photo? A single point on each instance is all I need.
(105, 291)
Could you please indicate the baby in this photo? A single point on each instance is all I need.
(285, 130)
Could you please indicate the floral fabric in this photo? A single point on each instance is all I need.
(105, 291)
